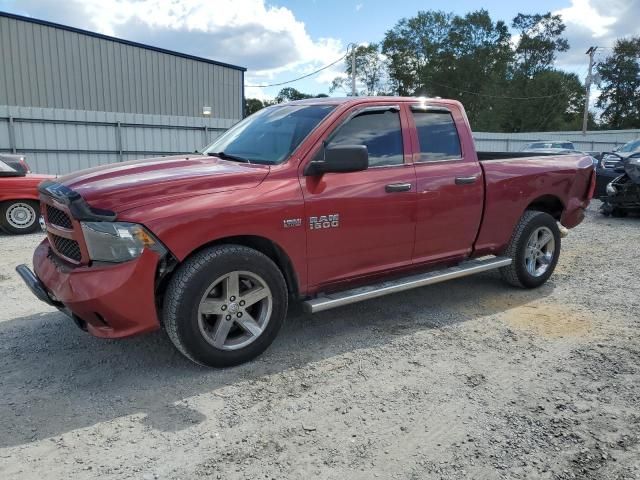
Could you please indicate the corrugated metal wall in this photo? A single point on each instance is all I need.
(60, 141)
(59, 67)
(599, 141)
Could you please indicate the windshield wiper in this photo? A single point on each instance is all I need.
(226, 156)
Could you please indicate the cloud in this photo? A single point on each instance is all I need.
(268, 40)
(598, 23)
(585, 15)
(359, 6)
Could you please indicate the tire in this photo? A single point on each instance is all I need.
(20, 216)
(531, 267)
(606, 208)
(205, 316)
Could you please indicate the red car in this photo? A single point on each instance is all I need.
(19, 205)
(324, 201)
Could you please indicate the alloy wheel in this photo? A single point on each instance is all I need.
(539, 252)
(235, 310)
(21, 215)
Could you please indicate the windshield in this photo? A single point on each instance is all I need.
(632, 146)
(12, 166)
(270, 135)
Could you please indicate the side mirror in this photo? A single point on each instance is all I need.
(340, 159)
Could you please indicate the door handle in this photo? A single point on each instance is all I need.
(397, 187)
(466, 180)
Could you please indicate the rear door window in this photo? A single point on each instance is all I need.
(438, 136)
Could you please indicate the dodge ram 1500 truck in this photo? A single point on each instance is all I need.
(325, 201)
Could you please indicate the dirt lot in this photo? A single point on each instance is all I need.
(469, 379)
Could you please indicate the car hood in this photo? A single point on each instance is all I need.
(624, 155)
(122, 186)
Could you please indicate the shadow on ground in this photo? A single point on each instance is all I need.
(55, 378)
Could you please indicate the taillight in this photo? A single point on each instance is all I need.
(592, 185)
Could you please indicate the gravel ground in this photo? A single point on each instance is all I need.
(468, 379)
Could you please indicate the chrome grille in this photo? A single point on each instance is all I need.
(611, 163)
(66, 247)
(58, 217)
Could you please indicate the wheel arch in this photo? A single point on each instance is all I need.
(550, 204)
(21, 198)
(261, 244)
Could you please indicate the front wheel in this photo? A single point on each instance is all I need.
(225, 305)
(20, 216)
(534, 250)
(619, 213)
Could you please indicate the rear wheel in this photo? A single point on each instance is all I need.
(20, 216)
(225, 305)
(534, 250)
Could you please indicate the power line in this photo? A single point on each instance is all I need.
(299, 78)
(503, 97)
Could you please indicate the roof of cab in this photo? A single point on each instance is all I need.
(364, 99)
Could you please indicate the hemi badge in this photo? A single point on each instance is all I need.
(292, 222)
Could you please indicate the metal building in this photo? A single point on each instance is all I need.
(71, 98)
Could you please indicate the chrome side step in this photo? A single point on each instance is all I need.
(406, 283)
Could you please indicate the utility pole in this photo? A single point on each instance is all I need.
(353, 70)
(591, 52)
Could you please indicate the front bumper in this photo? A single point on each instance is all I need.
(113, 301)
(603, 178)
(622, 193)
(36, 286)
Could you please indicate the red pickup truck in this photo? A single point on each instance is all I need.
(325, 201)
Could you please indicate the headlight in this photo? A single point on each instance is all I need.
(118, 241)
(611, 190)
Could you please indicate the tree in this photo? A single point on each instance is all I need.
(252, 105)
(414, 47)
(540, 40)
(475, 63)
(538, 97)
(371, 72)
(289, 94)
(442, 54)
(555, 103)
(620, 82)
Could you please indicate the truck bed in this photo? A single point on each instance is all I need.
(515, 182)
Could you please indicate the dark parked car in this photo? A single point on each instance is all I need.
(547, 144)
(611, 167)
(623, 193)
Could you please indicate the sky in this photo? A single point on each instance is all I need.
(279, 40)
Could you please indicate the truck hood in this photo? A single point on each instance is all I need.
(122, 186)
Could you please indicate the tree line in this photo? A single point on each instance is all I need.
(506, 79)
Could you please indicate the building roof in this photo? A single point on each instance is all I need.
(119, 40)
